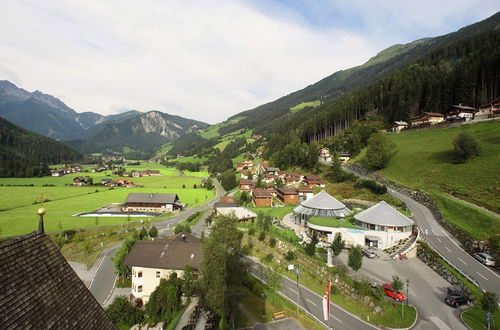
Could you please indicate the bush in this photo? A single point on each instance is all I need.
(373, 186)
(272, 242)
(251, 231)
(290, 255)
(262, 236)
(122, 312)
(465, 147)
(378, 293)
(268, 257)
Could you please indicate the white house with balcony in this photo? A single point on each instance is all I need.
(153, 260)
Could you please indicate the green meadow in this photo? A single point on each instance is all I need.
(424, 160)
(303, 105)
(18, 208)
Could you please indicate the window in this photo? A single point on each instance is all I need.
(139, 288)
(139, 274)
(157, 274)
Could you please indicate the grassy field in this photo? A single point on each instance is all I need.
(190, 159)
(276, 212)
(303, 105)
(424, 161)
(18, 211)
(332, 222)
(475, 318)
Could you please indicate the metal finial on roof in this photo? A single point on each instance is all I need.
(41, 213)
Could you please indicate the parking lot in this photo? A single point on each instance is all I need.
(428, 298)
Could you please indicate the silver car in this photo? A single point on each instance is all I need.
(369, 253)
(485, 259)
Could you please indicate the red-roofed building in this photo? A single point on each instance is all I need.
(288, 196)
(313, 181)
(246, 184)
(262, 198)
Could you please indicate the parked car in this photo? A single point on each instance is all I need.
(396, 295)
(369, 253)
(457, 301)
(484, 258)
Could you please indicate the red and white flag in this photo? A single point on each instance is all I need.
(326, 302)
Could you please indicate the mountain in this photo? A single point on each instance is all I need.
(22, 152)
(47, 115)
(349, 95)
(138, 135)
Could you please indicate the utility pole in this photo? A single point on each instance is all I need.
(297, 273)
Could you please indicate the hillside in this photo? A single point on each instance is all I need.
(459, 67)
(21, 150)
(424, 161)
(138, 136)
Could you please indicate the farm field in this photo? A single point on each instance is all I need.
(18, 211)
(424, 161)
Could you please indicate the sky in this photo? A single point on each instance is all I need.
(207, 59)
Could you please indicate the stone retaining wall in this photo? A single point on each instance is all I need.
(469, 244)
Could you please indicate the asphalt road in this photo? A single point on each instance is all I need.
(486, 278)
(104, 280)
(312, 303)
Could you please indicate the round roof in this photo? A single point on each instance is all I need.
(383, 214)
(323, 205)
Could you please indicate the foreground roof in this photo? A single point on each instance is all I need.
(323, 205)
(40, 290)
(384, 215)
(152, 198)
(166, 253)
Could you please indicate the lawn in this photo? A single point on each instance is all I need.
(423, 161)
(18, 215)
(303, 105)
(275, 212)
(475, 318)
(190, 159)
(332, 222)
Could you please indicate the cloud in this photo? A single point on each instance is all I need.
(205, 60)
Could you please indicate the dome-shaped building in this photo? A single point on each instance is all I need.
(320, 205)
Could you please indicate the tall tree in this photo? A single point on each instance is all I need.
(355, 258)
(120, 255)
(337, 244)
(465, 146)
(223, 269)
(379, 151)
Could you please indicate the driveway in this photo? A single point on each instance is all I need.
(427, 289)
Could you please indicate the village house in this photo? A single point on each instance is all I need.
(150, 173)
(245, 165)
(57, 172)
(325, 154)
(246, 184)
(271, 189)
(124, 183)
(135, 174)
(427, 118)
(290, 178)
(156, 203)
(264, 168)
(313, 181)
(40, 290)
(269, 178)
(262, 198)
(82, 181)
(397, 126)
(344, 157)
(226, 201)
(489, 110)
(460, 113)
(241, 213)
(244, 174)
(304, 193)
(153, 260)
(288, 196)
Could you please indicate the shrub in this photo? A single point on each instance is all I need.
(268, 257)
(272, 242)
(121, 311)
(465, 147)
(262, 236)
(290, 255)
(251, 231)
(373, 186)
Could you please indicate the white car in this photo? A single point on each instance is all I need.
(369, 253)
(484, 258)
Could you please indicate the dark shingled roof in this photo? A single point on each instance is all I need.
(166, 253)
(151, 198)
(40, 290)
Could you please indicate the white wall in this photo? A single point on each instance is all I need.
(149, 281)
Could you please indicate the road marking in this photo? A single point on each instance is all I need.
(99, 266)
(111, 292)
(462, 261)
(292, 290)
(438, 239)
(312, 302)
(447, 249)
(336, 318)
(481, 276)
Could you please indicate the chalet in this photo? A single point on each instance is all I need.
(246, 184)
(135, 174)
(397, 126)
(288, 196)
(124, 183)
(313, 181)
(344, 156)
(264, 168)
(245, 174)
(291, 178)
(271, 189)
(304, 193)
(57, 172)
(460, 113)
(245, 165)
(427, 118)
(325, 154)
(269, 178)
(40, 290)
(157, 203)
(150, 173)
(80, 181)
(241, 213)
(262, 198)
(489, 110)
(153, 260)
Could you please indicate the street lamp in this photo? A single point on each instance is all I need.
(407, 292)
